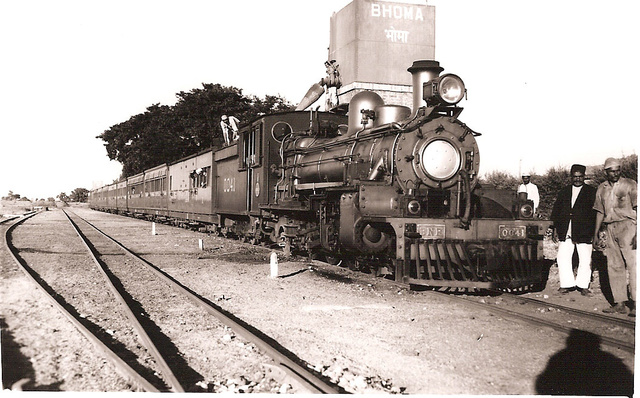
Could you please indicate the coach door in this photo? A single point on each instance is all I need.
(252, 147)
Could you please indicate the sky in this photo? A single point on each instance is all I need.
(550, 82)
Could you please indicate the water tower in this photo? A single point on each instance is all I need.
(374, 42)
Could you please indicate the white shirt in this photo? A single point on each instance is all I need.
(233, 123)
(575, 191)
(532, 193)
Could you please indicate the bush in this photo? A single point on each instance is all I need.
(628, 166)
(500, 180)
(550, 183)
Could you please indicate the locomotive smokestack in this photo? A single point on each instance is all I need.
(421, 72)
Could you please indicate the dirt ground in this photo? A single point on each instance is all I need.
(365, 333)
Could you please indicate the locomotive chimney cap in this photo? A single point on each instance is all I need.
(425, 65)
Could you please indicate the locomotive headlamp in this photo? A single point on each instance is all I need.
(526, 210)
(440, 159)
(413, 207)
(446, 90)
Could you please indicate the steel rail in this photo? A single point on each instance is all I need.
(146, 339)
(121, 366)
(8, 219)
(513, 314)
(286, 359)
(604, 318)
(615, 343)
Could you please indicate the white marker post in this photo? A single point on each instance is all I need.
(200, 244)
(274, 265)
(153, 228)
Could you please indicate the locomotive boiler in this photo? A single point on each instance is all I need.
(395, 191)
(379, 187)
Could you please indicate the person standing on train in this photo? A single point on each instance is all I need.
(229, 127)
(531, 189)
(616, 207)
(573, 219)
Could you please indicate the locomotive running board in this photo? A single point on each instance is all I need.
(490, 264)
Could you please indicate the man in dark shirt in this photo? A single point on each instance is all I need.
(573, 219)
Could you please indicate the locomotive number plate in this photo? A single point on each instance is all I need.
(430, 231)
(512, 232)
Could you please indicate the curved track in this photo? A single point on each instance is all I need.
(292, 365)
(595, 323)
(148, 342)
(121, 366)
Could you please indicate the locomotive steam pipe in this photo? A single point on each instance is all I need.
(465, 219)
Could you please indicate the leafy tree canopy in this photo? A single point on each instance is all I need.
(11, 196)
(79, 195)
(63, 197)
(164, 133)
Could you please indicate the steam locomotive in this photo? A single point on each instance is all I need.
(382, 188)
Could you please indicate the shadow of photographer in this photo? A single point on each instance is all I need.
(582, 368)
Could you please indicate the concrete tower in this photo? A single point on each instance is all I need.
(375, 42)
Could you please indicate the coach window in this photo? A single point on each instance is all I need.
(203, 178)
(200, 177)
(257, 152)
(252, 147)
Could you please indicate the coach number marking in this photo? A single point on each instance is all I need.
(229, 184)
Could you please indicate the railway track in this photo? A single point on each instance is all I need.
(557, 317)
(332, 272)
(561, 318)
(564, 319)
(158, 366)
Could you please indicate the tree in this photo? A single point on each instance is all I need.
(199, 111)
(500, 180)
(628, 168)
(79, 195)
(11, 196)
(163, 134)
(144, 141)
(549, 184)
(63, 197)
